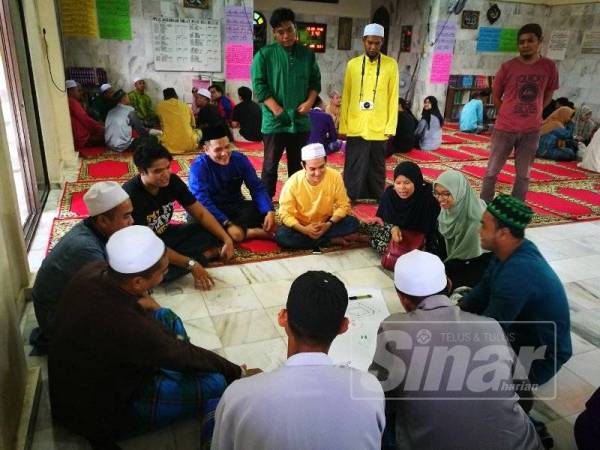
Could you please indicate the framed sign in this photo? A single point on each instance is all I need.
(201, 4)
(470, 20)
(345, 33)
(312, 35)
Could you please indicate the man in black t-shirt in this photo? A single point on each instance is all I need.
(247, 116)
(153, 193)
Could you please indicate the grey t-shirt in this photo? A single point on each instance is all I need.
(81, 245)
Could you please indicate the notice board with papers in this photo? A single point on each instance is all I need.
(187, 45)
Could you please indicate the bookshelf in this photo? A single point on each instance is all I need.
(460, 88)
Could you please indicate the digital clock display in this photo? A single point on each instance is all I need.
(313, 36)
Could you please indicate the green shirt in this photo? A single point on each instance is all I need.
(142, 105)
(287, 76)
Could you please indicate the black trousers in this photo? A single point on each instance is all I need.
(364, 168)
(191, 240)
(244, 214)
(467, 272)
(275, 144)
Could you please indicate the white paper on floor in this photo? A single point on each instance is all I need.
(356, 347)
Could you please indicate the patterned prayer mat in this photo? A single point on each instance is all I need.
(118, 166)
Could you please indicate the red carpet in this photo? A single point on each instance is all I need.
(473, 137)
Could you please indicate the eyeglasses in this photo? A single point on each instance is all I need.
(442, 194)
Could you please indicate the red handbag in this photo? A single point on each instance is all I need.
(411, 240)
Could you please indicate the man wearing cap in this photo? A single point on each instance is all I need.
(368, 115)
(177, 124)
(109, 210)
(120, 122)
(286, 80)
(208, 114)
(216, 179)
(520, 290)
(142, 103)
(153, 193)
(309, 403)
(102, 102)
(119, 364)
(314, 206)
(86, 131)
(437, 362)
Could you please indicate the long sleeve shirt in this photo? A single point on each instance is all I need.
(287, 77)
(525, 288)
(430, 138)
(322, 128)
(377, 123)
(105, 347)
(214, 184)
(120, 121)
(142, 105)
(471, 115)
(177, 122)
(300, 202)
(82, 124)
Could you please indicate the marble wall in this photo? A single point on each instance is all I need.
(125, 60)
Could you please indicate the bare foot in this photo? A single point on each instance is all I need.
(338, 241)
(356, 237)
(259, 233)
(212, 253)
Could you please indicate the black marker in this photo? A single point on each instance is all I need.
(360, 297)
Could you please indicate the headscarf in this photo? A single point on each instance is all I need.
(435, 110)
(558, 119)
(416, 213)
(460, 224)
(584, 125)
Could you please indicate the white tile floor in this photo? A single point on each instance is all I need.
(238, 320)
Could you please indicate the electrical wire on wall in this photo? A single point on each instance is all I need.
(49, 66)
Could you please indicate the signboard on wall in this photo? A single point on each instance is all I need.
(497, 40)
(590, 44)
(186, 45)
(557, 45)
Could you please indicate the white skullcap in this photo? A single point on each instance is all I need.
(134, 249)
(105, 87)
(419, 273)
(135, 80)
(104, 196)
(70, 84)
(313, 151)
(373, 29)
(204, 92)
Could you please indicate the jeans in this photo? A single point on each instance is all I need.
(502, 143)
(289, 238)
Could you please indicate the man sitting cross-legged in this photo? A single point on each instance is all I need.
(119, 364)
(153, 193)
(314, 206)
(110, 210)
(216, 179)
(309, 403)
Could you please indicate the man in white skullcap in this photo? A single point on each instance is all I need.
(142, 103)
(102, 102)
(368, 115)
(119, 364)
(207, 115)
(86, 131)
(314, 206)
(435, 361)
(110, 209)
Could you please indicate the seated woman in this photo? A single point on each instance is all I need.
(407, 205)
(459, 223)
(556, 136)
(322, 128)
(584, 125)
(404, 139)
(429, 129)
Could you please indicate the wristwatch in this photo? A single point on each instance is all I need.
(226, 223)
(191, 263)
(331, 222)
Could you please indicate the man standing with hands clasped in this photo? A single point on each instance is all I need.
(286, 80)
(368, 115)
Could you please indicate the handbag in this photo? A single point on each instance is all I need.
(411, 240)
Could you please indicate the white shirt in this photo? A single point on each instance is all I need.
(308, 404)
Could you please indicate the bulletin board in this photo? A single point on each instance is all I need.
(186, 45)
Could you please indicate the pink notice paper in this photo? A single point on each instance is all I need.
(440, 68)
(238, 59)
